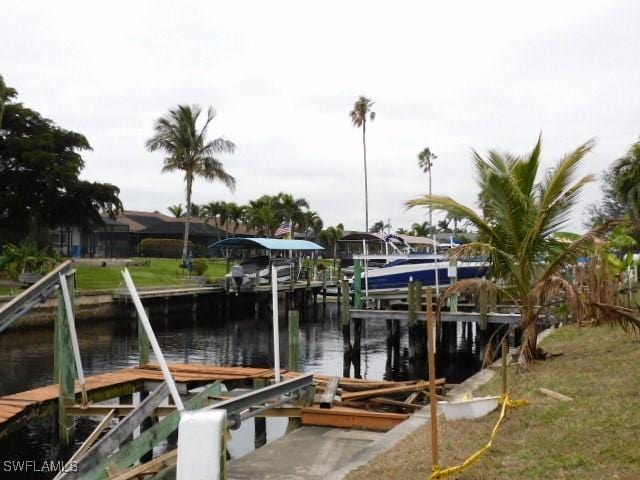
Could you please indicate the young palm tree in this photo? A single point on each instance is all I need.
(517, 230)
(361, 111)
(425, 162)
(176, 210)
(188, 150)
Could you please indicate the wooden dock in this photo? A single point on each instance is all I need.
(18, 407)
(123, 382)
(123, 294)
(500, 318)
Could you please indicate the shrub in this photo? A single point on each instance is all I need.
(200, 266)
(162, 247)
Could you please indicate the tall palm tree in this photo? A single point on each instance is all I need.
(188, 150)
(425, 162)
(176, 210)
(521, 216)
(361, 111)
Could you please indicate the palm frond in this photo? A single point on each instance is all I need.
(625, 318)
(578, 248)
(449, 205)
(471, 285)
(551, 288)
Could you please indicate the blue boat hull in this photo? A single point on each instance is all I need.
(383, 281)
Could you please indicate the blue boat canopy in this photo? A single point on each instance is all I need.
(267, 243)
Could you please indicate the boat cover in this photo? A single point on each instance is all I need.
(267, 243)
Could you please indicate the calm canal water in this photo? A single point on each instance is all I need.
(210, 336)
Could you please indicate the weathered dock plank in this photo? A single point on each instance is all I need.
(510, 318)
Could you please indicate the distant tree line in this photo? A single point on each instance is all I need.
(263, 215)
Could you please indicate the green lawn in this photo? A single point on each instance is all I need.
(161, 272)
(595, 436)
(8, 290)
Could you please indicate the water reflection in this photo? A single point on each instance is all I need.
(210, 334)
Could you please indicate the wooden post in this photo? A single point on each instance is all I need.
(483, 307)
(259, 423)
(143, 342)
(324, 286)
(346, 317)
(505, 353)
(294, 340)
(433, 399)
(64, 364)
(357, 284)
(411, 300)
(346, 314)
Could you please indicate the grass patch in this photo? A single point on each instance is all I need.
(161, 272)
(592, 437)
(9, 290)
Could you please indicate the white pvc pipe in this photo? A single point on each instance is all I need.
(74, 336)
(366, 269)
(276, 335)
(142, 315)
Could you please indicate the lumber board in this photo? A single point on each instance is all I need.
(345, 417)
(381, 392)
(555, 395)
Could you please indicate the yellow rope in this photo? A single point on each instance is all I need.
(446, 472)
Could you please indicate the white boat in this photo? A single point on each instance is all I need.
(260, 255)
(396, 261)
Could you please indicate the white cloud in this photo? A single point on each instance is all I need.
(283, 76)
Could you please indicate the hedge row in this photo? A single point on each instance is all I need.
(169, 248)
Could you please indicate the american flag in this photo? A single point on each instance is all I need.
(283, 229)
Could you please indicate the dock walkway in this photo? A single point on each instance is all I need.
(125, 382)
(318, 452)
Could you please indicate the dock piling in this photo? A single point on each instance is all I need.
(143, 341)
(346, 316)
(259, 423)
(294, 340)
(64, 374)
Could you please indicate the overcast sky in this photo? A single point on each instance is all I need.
(283, 76)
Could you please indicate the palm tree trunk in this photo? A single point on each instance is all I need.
(529, 336)
(188, 220)
(366, 189)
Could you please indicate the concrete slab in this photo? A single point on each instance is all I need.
(306, 453)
